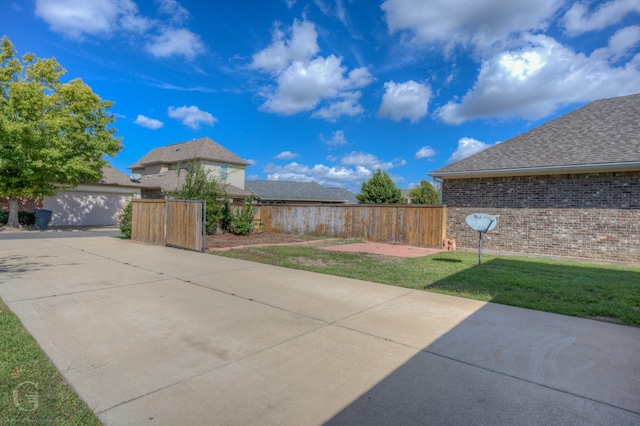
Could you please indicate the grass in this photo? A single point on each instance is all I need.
(32, 391)
(603, 292)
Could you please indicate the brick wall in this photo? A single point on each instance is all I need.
(588, 215)
(24, 204)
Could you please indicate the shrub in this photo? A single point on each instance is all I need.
(227, 216)
(125, 218)
(24, 218)
(242, 222)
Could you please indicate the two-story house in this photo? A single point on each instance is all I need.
(159, 170)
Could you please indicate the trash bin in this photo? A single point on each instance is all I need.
(42, 218)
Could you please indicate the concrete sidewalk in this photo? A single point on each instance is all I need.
(155, 335)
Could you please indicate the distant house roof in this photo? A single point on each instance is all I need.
(201, 149)
(271, 190)
(171, 180)
(344, 194)
(601, 136)
(111, 176)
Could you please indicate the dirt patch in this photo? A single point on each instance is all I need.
(385, 252)
(227, 241)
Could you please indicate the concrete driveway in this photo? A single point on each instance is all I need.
(155, 335)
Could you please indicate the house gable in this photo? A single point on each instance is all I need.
(160, 166)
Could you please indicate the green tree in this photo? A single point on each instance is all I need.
(379, 189)
(51, 133)
(425, 193)
(200, 185)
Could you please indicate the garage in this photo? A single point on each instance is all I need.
(95, 204)
(85, 206)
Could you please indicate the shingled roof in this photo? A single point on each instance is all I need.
(601, 136)
(201, 149)
(111, 176)
(294, 191)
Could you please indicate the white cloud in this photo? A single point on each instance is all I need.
(354, 168)
(179, 42)
(337, 139)
(369, 161)
(300, 47)
(290, 3)
(425, 152)
(348, 106)
(467, 147)
(286, 155)
(149, 123)
(622, 42)
(579, 19)
(405, 100)
(305, 81)
(533, 81)
(110, 18)
(480, 23)
(192, 116)
(320, 173)
(173, 10)
(74, 18)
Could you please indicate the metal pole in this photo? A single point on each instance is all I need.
(479, 247)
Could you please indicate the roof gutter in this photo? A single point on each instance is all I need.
(579, 168)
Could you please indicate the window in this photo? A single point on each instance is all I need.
(223, 172)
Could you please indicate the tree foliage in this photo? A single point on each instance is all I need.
(425, 193)
(50, 132)
(379, 189)
(200, 185)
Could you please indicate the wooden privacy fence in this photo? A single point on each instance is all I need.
(175, 223)
(422, 226)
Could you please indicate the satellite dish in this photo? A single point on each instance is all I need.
(135, 177)
(483, 223)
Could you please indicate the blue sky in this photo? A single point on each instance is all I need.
(331, 90)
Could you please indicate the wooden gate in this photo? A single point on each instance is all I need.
(176, 223)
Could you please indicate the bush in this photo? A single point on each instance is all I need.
(242, 222)
(227, 216)
(125, 219)
(24, 218)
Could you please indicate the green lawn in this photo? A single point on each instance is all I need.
(603, 292)
(32, 391)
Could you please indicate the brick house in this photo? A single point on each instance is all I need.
(159, 168)
(569, 187)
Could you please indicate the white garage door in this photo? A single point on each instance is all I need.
(84, 208)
